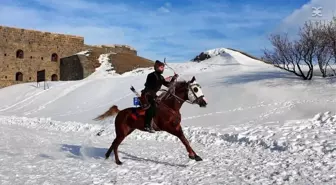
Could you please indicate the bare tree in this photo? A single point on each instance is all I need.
(309, 36)
(324, 54)
(287, 55)
(316, 43)
(330, 41)
(326, 50)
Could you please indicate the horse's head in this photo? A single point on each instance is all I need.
(195, 94)
(191, 91)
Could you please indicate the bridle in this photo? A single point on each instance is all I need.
(180, 100)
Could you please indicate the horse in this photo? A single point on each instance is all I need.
(167, 117)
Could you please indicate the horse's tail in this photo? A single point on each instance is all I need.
(111, 112)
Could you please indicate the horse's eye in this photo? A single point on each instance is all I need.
(195, 89)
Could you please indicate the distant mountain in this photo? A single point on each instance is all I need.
(216, 52)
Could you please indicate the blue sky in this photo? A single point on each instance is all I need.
(176, 29)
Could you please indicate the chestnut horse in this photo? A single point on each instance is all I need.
(167, 117)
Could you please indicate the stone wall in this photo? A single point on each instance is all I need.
(88, 66)
(111, 49)
(5, 83)
(24, 52)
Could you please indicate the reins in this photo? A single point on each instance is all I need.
(173, 94)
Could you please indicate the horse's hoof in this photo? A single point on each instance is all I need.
(106, 156)
(198, 158)
(118, 162)
(191, 157)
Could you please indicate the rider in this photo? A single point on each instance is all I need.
(153, 84)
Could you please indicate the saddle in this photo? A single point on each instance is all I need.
(141, 105)
(140, 110)
(137, 112)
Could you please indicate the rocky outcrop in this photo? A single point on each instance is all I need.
(202, 56)
(125, 62)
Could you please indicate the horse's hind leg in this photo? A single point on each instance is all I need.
(117, 141)
(115, 144)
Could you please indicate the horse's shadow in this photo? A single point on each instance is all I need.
(135, 158)
(77, 151)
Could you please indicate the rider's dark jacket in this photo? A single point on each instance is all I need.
(154, 82)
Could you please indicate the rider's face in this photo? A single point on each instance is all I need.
(161, 68)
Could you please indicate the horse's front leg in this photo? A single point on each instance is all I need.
(179, 133)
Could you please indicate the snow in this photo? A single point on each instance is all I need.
(215, 52)
(105, 69)
(232, 57)
(261, 126)
(86, 53)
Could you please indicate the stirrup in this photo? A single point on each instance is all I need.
(149, 129)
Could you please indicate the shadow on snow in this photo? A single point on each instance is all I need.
(77, 151)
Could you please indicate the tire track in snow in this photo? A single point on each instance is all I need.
(30, 97)
(285, 104)
(64, 93)
(290, 105)
(231, 110)
(103, 105)
(33, 99)
(96, 107)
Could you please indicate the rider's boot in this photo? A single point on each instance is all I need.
(148, 126)
(149, 117)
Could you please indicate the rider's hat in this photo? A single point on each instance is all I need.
(158, 63)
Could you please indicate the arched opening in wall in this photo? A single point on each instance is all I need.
(54, 57)
(54, 77)
(19, 53)
(19, 76)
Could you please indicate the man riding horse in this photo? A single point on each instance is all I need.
(153, 84)
(168, 116)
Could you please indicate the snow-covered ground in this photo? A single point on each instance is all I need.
(261, 126)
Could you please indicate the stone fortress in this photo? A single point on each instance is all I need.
(24, 52)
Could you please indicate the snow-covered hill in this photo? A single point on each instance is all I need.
(261, 126)
(239, 56)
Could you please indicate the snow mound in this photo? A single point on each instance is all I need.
(245, 60)
(228, 57)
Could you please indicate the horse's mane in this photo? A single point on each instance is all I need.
(171, 89)
(178, 83)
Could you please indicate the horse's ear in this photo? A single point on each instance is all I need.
(193, 79)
